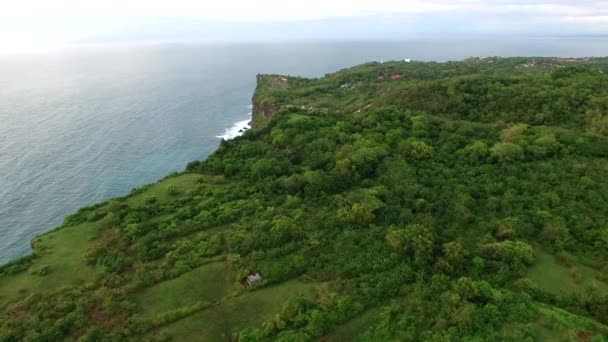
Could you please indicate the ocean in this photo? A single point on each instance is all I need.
(83, 125)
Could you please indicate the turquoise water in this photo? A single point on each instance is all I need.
(82, 126)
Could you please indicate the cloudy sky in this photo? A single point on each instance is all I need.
(41, 24)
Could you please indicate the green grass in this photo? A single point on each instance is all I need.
(296, 116)
(160, 189)
(354, 327)
(556, 324)
(62, 252)
(211, 282)
(248, 310)
(550, 275)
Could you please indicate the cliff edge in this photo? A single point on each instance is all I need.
(264, 99)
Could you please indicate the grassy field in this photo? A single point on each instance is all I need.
(60, 262)
(351, 329)
(250, 309)
(211, 282)
(555, 277)
(160, 190)
(295, 117)
(61, 255)
(556, 324)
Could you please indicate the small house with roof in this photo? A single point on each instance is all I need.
(252, 279)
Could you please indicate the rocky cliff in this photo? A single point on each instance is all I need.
(264, 103)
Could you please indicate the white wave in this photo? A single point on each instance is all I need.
(236, 130)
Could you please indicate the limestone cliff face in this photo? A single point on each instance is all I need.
(265, 108)
(264, 105)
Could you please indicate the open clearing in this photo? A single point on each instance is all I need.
(160, 189)
(208, 283)
(60, 252)
(251, 309)
(354, 327)
(555, 277)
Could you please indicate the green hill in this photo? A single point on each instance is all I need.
(386, 202)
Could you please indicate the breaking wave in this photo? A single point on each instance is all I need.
(237, 129)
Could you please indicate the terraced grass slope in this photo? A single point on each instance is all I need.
(386, 202)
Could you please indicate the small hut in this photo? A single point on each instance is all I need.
(252, 279)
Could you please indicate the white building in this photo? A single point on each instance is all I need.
(253, 278)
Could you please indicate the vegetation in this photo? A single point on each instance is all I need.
(462, 201)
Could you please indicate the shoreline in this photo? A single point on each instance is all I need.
(238, 128)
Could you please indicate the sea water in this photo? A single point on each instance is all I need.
(84, 125)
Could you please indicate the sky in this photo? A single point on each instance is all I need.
(47, 24)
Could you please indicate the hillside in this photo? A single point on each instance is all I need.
(386, 202)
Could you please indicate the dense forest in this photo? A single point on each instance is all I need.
(403, 201)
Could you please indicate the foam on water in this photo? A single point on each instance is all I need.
(237, 129)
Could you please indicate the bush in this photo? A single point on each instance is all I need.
(507, 152)
(419, 150)
(17, 266)
(172, 190)
(194, 166)
(41, 270)
(152, 199)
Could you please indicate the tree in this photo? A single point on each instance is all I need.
(358, 213)
(597, 122)
(507, 152)
(420, 240)
(454, 254)
(517, 252)
(418, 150)
(194, 166)
(556, 234)
(419, 126)
(414, 240)
(318, 323)
(603, 238)
(395, 238)
(283, 229)
(475, 152)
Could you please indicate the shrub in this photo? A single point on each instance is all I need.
(419, 150)
(172, 190)
(507, 152)
(41, 270)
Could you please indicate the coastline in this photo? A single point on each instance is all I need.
(238, 128)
